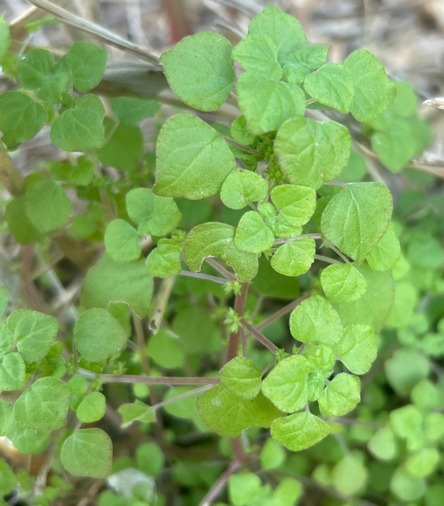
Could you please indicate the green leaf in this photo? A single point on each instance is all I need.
(266, 104)
(289, 491)
(29, 440)
(294, 258)
(331, 85)
(405, 368)
(166, 349)
(6, 417)
(33, 332)
(153, 214)
(44, 406)
(299, 431)
(8, 479)
(258, 56)
(229, 415)
(423, 463)
(316, 321)
(407, 423)
(164, 261)
(340, 396)
(386, 253)
(195, 329)
(133, 110)
(12, 372)
(383, 444)
(136, 411)
(252, 234)
(282, 29)
(241, 377)
(242, 187)
(357, 217)
(193, 167)
(5, 37)
(150, 458)
(87, 64)
(374, 91)
(268, 282)
(122, 242)
(357, 348)
(285, 385)
(21, 118)
(321, 359)
(243, 487)
(349, 475)
(87, 452)
(311, 56)
(426, 395)
(80, 128)
(312, 152)
(108, 281)
(4, 300)
(343, 283)
(6, 340)
(406, 487)
(47, 218)
(296, 204)
(19, 224)
(200, 70)
(98, 335)
(91, 408)
(272, 455)
(35, 67)
(124, 147)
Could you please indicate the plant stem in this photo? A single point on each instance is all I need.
(329, 260)
(239, 307)
(219, 268)
(280, 312)
(160, 304)
(252, 151)
(10, 176)
(184, 395)
(260, 337)
(201, 275)
(291, 239)
(220, 484)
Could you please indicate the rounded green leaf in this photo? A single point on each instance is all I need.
(299, 431)
(316, 321)
(164, 261)
(383, 444)
(33, 332)
(191, 166)
(200, 70)
(19, 224)
(312, 152)
(241, 377)
(124, 147)
(373, 90)
(285, 385)
(136, 411)
(340, 396)
(44, 406)
(243, 487)
(386, 253)
(166, 349)
(98, 335)
(331, 85)
(349, 475)
(294, 258)
(258, 55)
(343, 283)
(194, 328)
(34, 67)
(91, 408)
(8, 478)
(401, 378)
(252, 234)
(357, 217)
(122, 242)
(406, 487)
(357, 348)
(272, 455)
(133, 110)
(12, 372)
(87, 452)
(266, 104)
(87, 64)
(29, 440)
(242, 187)
(296, 204)
(423, 463)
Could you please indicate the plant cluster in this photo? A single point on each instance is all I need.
(251, 209)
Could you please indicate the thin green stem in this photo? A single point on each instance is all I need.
(219, 268)
(280, 313)
(201, 275)
(251, 151)
(291, 239)
(329, 260)
(239, 307)
(182, 396)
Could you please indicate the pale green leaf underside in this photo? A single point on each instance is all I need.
(91, 408)
(164, 261)
(252, 234)
(242, 187)
(294, 258)
(343, 283)
(340, 396)
(296, 204)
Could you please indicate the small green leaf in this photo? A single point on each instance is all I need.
(349, 475)
(44, 406)
(357, 217)
(343, 283)
(406, 487)
(12, 372)
(200, 70)
(33, 332)
(312, 152)
(266, 104)
(357, 348)
(383, 444)
(386, 253)
(124, 147)
(98, 335)
(122, 242)
(407, 423)
(194, 328)
(19, 224)
(5, 40)
(87, 64)
(258, 56)
(374, 91)
(47, 218)
(80, 128)
(136, 411)
(311, 56)
(91, 408)
(150, 459)
(299, 431)
(272, 455)
(8, 479)
(164, 261)
(6, 340)
(153, 214)
(242, 187)
(243, 487)
(166, 349)
(252, 234)
(21, 118)
(340, 396)
(316, 321)
(108, 281)
(6, 417)
(193, 167)
(402, 378)
(241, 377)
(296, 204)
(285, 385)
(35, 67)
(294, 258)
(229, 415)
(289, 491)
(87, 452)
(133, 110)
(29, 440)
(331, 85)
(321, 359)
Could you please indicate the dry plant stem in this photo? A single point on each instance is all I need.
(260, 337)
(160, 304)
(220, 484)
(175, 14)
(10, 176)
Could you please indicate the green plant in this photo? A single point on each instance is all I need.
(261, 205)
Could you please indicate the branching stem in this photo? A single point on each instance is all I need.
(260, 337)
